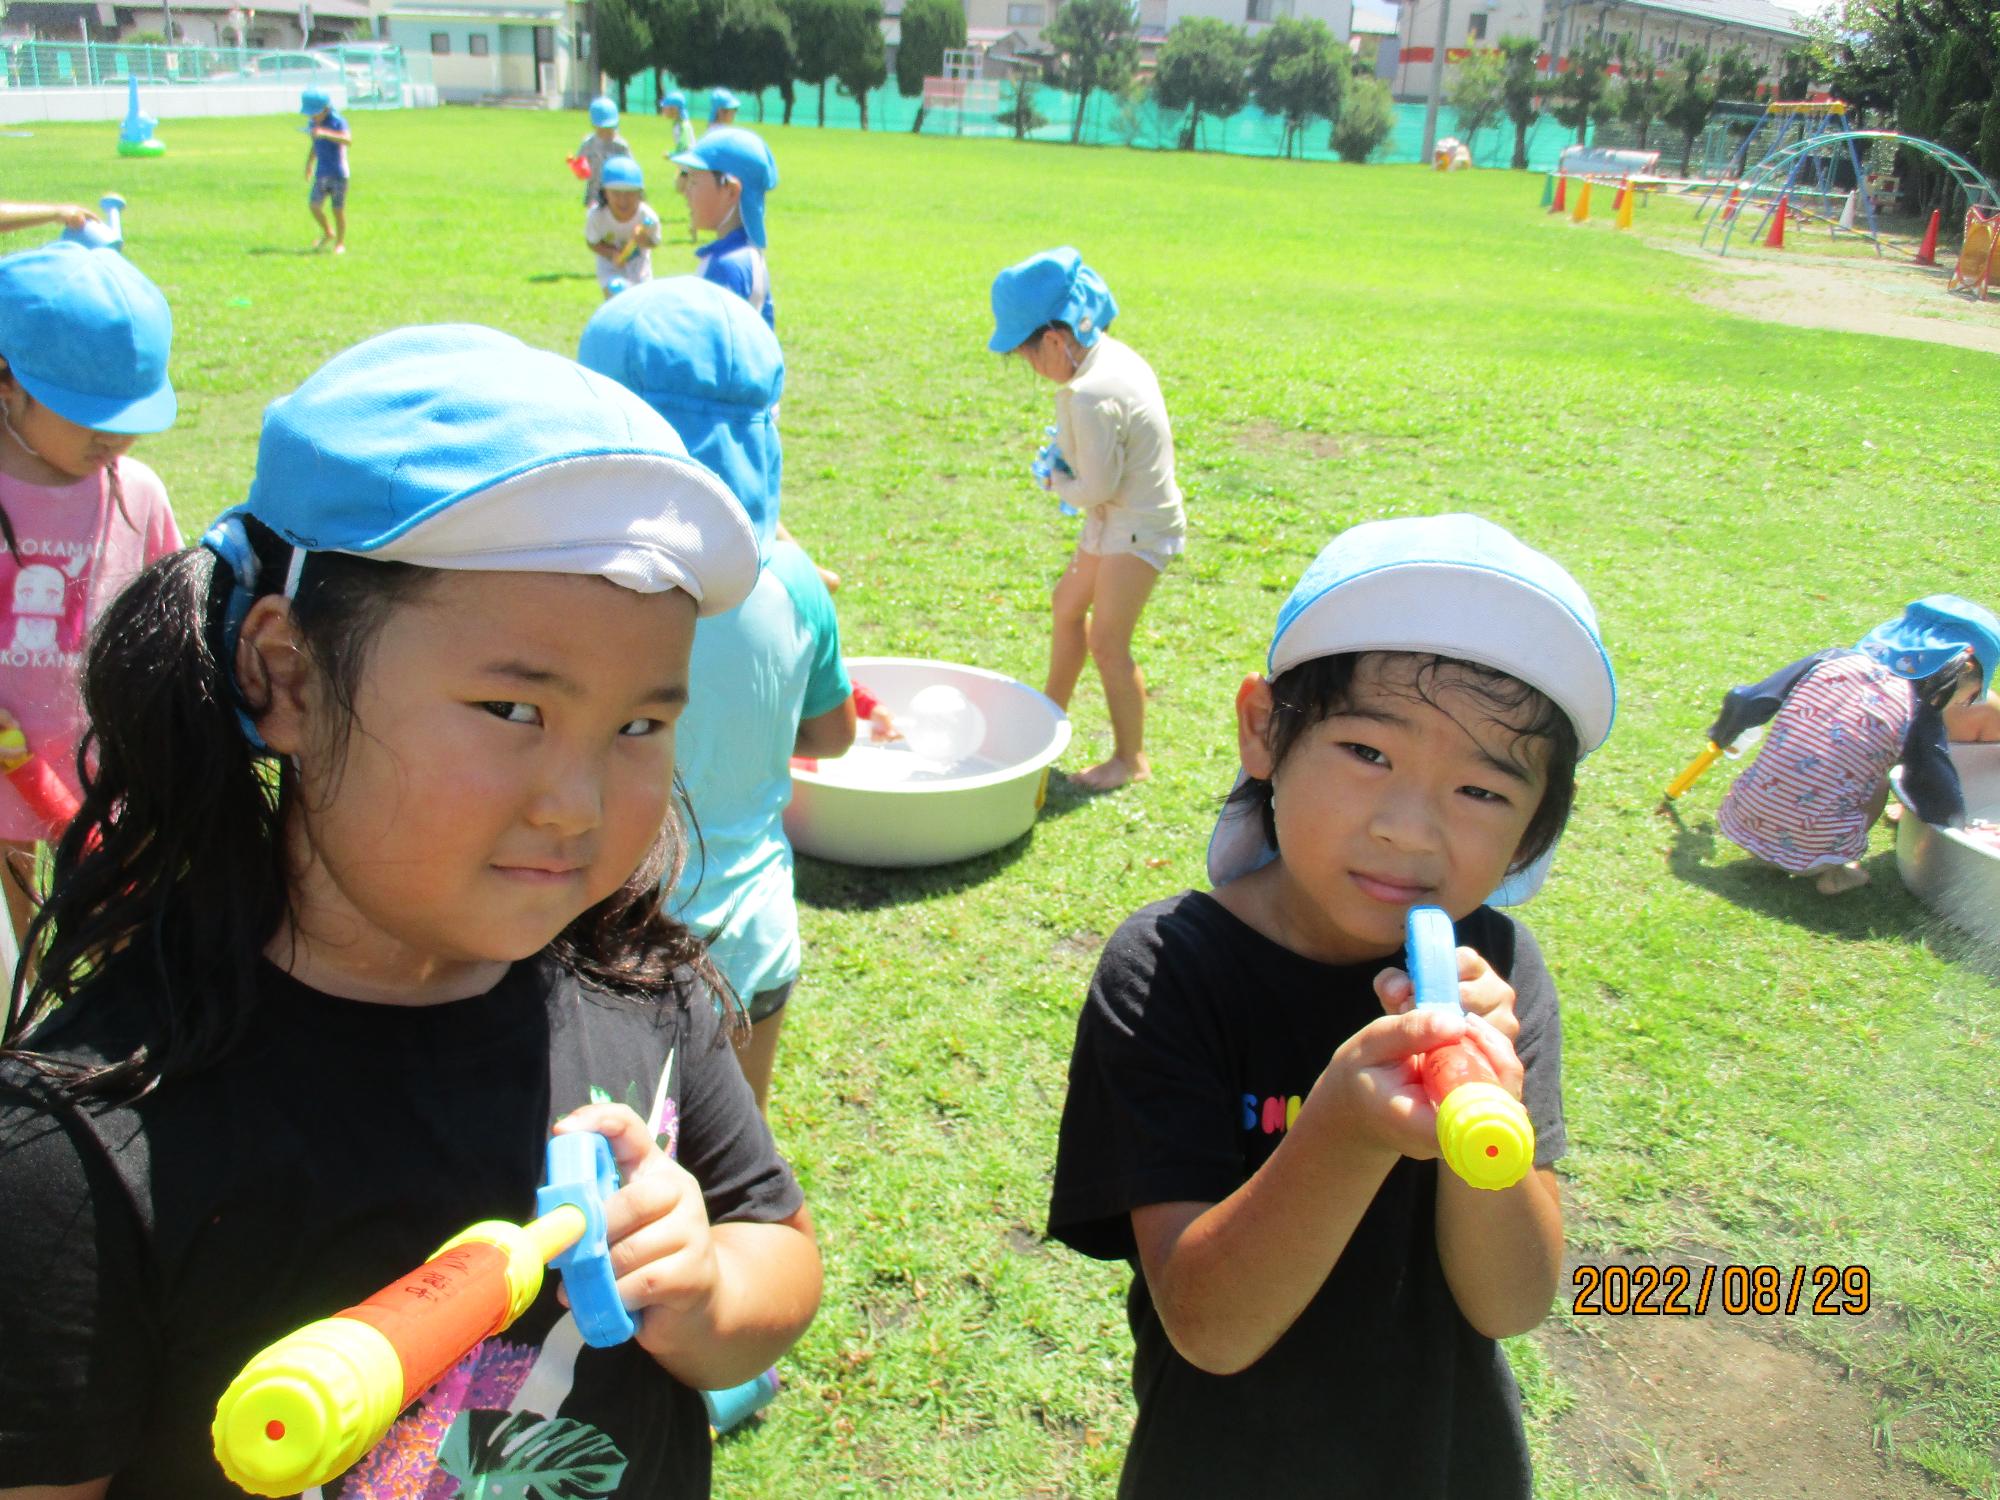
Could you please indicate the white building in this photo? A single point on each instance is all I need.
(532, 52)
(1663, 29)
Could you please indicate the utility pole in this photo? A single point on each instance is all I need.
(1437, 82)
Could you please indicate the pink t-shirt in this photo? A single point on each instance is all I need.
(76, 551)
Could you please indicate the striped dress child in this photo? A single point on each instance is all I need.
(1808, 800)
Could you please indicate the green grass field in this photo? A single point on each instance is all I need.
(1754, 1074)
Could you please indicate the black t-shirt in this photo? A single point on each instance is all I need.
(1198, 1037)
(148, 1251)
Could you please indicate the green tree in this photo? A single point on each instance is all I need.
(1585, 90)
(624, 41)
(1737, 77)
(930, 28)
(1099, 43)
(1642, 94)
(1795, 73)
(1203, 69)
(815, 45)
(1020, 115)
(1367, 115)
(1477, 94)
(1298, 73)
(1690, 101)
(863, 65)
(1521, 89)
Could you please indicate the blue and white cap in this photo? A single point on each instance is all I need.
(88, 336)
(1456, 586)
(1052, 287)
(1932, 634)
(312, 101)
(603, 113)
(461, 447)
(698, 355)
(720, 99)
(624, 173)
(676, 100)
(740, 154)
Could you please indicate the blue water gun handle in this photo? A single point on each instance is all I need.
(581, 1173)
(1431, 955)
(110, 235)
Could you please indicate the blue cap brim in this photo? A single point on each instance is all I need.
(153, 412)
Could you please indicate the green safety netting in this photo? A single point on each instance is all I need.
(1111, 121)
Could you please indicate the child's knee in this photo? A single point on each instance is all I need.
(1109, 644)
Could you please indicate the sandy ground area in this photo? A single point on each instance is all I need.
(1892, 296)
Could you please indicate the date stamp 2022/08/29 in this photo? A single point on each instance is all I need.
(1689, 1291)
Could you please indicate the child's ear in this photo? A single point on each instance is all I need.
(276, 674)
(1253, 727)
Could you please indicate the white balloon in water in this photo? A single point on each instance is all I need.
(944, 725)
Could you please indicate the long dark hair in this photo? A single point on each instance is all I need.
(173, 874)
(1316, 690)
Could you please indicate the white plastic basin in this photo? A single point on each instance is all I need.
(1953, 872)
(943, 815)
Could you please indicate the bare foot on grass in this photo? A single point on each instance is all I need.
(1840, 878)
(1109, 775)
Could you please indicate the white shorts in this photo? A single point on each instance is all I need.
(1108, 532)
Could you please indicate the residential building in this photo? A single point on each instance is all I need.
(530, 52)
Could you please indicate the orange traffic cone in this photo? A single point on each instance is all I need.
(1729, 208)
(1927, 252)
(1562, 188)
(1625, 197)
(1582, 210)
(1775, 240)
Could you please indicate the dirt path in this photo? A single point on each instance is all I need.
(1720, 1408)
(1891, 297)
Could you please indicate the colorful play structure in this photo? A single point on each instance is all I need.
(1813, 171)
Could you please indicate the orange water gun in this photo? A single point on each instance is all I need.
(35, 779)
(314, 1402)
(1484, 1132)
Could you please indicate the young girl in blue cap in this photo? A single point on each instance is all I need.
(1112, 459)
(725, 181)
(766, 680)
(327, 167)
(363, 901)
(84, 342)
(1315, 1303)
(1840, 719)
(621, 228)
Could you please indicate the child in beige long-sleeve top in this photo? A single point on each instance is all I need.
(1113, 459)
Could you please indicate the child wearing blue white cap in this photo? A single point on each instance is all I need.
(621, 228)
(600, 146)
(1113, 460)
(766, 679)
(326, 167)
(363, 902)
(725, 180)
(722, 108)
(1840, 719)
(1243, 1120)
(84, 343)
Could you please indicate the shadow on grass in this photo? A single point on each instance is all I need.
(1884, 908)
(304, 250)
(545, 277)
(1880, 909)
(821, 883)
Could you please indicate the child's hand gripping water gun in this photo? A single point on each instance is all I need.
(1710, 754)
(579, 168)
(314, 1402)
(648, 220)
(35, 779)
(1484, 1132)
(1048, 463)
